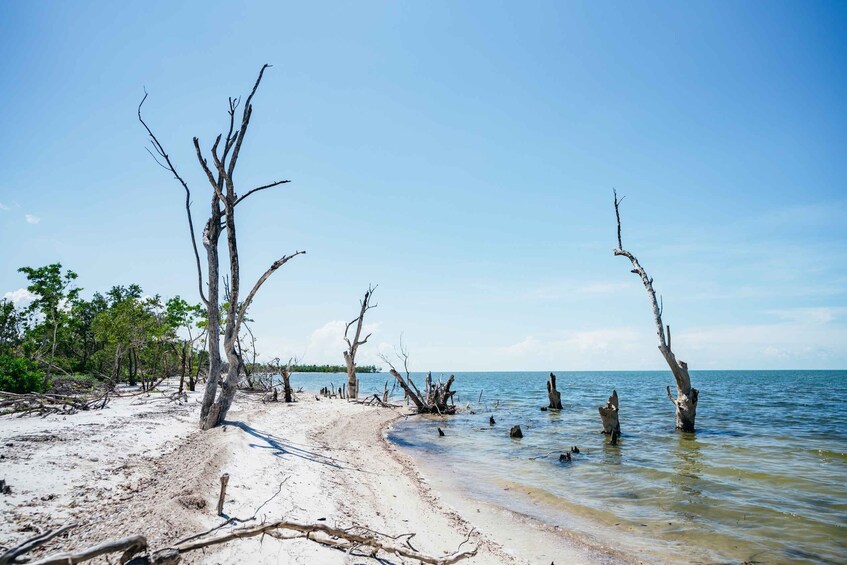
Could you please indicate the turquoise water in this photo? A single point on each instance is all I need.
(763, 479)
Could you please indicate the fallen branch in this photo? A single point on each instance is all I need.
(10, 555)
(345, 539)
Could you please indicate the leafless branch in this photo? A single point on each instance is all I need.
(271, 185)
(170, 166)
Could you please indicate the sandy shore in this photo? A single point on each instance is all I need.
(141, 466)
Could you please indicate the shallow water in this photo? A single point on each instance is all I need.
(763, 479)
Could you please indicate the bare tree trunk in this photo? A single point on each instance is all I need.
(686, 395)
(552, 394)
(353, 346)
(182, 372)
(286, 385)
(220, 176)
(609, 415)
(52, 353)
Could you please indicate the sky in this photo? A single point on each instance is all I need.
(462, 156)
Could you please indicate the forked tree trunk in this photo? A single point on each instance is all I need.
(219, 393)
(609, 415)
(686, 395)
(353, 345)
(552, 394)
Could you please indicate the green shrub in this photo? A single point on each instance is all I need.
(20, 375)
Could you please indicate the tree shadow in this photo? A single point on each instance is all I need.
(282, 448)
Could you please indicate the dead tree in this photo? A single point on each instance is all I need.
(609, 415)
(285, 373)
(353, 345)
(437, 397)
(686, 395)
(220, 391)
(552, 394)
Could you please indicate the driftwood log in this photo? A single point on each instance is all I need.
(34, 404)
(134, 549)
(686, 396)
(609, 415)
(552, 394)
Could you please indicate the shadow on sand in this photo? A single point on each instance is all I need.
(282, 448)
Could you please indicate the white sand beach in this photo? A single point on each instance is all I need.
(141, 466)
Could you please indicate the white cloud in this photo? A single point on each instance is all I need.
(4, 207)
(20, 297)
(30, 219)
(326, 344)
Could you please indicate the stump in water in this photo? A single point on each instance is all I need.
(609, 415)
(491, 421)
(515, 432)
(553, 394)
(440, 432)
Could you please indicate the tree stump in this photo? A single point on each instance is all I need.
(515, 432)
(553, 394)
(609, 415)
(222, 495)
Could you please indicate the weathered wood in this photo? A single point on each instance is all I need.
(345, 539)
(354, 344)
(436, 398)
(552, 394)
(129, 546)
(609, 415)
(515, 432)
(686, 395)
(222, 495)
(11, 554)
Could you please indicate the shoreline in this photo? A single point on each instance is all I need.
(141, 466)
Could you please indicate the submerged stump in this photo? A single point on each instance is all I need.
(552, 394)
(609, 415)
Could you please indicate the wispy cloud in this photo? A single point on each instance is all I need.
(4, 208)
(820, 315)
(30, 219)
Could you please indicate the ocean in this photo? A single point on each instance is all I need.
(763, 479)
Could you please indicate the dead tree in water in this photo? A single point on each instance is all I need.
(437, 397)
(553, 395)
(353, 346)
(609, 415)
(219, 391)
(686, 395)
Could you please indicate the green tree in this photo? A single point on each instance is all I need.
(53, 294)
(180, 315)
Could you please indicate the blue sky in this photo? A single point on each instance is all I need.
(462, 156)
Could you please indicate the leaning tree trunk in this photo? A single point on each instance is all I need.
(686, 395)
(609, 415)
(552, 394)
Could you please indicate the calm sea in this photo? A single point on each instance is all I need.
(763, 479)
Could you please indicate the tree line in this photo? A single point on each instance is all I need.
(120, 336)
